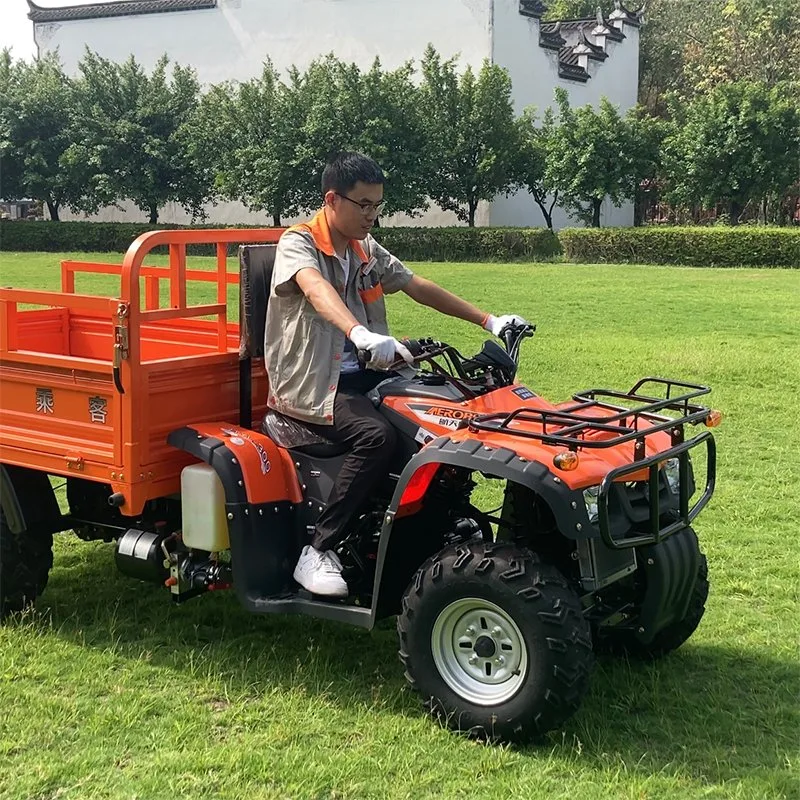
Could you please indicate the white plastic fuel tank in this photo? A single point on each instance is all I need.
(205, 525)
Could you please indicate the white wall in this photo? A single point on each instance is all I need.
(232, 41)
(534, 76)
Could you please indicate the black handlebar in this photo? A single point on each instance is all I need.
(426, 349)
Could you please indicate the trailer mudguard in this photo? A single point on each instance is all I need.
(261, 493)
(566, 504)
(28, 501)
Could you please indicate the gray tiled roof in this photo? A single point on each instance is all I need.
(550, 36)
(532, 8)
(593, 50)
(631, 17)
(124, 8)
(572, 72)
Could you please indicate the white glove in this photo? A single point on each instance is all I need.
(383, 350)
(496, 324)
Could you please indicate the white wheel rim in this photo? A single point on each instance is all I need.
(479, 651)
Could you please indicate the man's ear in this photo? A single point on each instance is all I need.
(330, 197)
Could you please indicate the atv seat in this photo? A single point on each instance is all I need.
(293, 435)
(256, 262)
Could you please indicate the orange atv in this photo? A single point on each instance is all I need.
(148, 413)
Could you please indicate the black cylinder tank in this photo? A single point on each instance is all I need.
(139, 555)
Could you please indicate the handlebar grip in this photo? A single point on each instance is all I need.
(363, 357)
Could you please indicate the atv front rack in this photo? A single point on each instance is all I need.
(570, 427)
(575, 428)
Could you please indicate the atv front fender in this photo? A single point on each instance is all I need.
(498, 462)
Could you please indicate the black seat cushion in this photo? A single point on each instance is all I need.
(293, 435)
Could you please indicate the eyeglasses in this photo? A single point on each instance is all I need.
(366, 208)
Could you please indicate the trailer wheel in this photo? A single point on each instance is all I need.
(495, 642)
(25, 562)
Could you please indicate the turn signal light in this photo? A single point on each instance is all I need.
(714, 418)
(568, 460)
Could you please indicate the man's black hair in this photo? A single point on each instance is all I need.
(345, 169)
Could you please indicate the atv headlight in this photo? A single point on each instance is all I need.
(590, 496)
(672, 471)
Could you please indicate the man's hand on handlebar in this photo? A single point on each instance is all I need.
(383, 350)
(496, 325)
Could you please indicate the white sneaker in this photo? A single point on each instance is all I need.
(320, 573)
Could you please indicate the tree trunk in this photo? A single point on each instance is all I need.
(547, 214)
(596, 212)
(276, 220)
(52, 209)
(473, 205)
(153, 215)
(735, 209)
(548, 217)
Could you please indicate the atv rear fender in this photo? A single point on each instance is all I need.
(261, 491)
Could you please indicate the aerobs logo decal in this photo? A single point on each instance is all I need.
(445, 416)
(238, 437)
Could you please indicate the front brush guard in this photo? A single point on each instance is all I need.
(652, 464)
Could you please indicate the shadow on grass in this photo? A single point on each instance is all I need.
(710, 711)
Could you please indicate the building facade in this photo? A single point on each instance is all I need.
(230, 39)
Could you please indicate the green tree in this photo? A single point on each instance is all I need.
(36, 121)
(572, 9)
(136, 129)
(471, 133)
(247, 132)
(535, 144)
(374, 112)
(688, 47)
(736, 145)
(597, 153)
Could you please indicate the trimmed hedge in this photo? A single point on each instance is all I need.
(73, 237)
(742, 246)
(470, 244)
(411, 244)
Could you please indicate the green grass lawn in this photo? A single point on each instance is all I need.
(109, 691)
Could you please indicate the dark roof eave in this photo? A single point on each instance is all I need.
(570, 73)
(532, 8)
(124, 8)
(551, 43)
(632, 17)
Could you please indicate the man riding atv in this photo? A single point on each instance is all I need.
(325, 304)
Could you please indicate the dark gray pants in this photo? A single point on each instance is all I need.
(371, 439)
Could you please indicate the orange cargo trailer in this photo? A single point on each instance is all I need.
(92, 386)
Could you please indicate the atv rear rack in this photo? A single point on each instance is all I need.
(572, 425)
